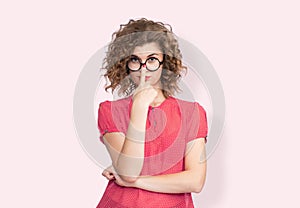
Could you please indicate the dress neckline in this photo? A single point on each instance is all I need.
(158, 106)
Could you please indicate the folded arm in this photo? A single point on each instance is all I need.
(192, 179)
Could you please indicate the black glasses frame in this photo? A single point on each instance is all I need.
(145, 63)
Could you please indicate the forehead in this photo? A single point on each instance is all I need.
(147, 49)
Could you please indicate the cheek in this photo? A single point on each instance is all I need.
(157, 75)
(134, 78)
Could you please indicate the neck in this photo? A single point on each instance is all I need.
(158, 99)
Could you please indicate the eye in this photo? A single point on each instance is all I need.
(152, 59)
(134, 60)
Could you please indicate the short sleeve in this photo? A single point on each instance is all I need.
(105, 120)
(197, 124)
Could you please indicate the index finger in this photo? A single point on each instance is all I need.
(143, 77)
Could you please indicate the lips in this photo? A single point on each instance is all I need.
(146, 77)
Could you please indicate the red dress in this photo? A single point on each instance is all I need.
(169, 128)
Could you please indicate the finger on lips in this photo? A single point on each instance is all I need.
(143, 77)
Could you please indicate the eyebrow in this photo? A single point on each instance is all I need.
(152, 54)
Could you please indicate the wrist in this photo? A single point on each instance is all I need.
(136, 132)
(138, 116)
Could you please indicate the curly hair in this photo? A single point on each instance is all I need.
(137, 33)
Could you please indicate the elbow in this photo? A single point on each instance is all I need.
(129, 179)
(198, 186)
(126, 176)
(197, 189)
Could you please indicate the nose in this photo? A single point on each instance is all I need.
(144, 68)
(144, 65)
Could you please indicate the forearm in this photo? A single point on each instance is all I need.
(182, 182)
(131, 158)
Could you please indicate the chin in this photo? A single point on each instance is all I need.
(156, 84)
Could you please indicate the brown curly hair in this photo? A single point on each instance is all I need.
(137, 33)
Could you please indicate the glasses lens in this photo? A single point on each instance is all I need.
(134, 64)
(152, 64)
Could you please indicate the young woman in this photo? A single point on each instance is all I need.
(156, 141)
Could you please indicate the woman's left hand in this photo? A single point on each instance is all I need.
(109, 173)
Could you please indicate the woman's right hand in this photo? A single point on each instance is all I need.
(144, 93)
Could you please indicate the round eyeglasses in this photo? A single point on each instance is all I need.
(135, 64)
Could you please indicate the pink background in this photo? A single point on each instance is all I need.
(253, 46)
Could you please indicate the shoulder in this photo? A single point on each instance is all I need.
(189, 106)
(121, 103)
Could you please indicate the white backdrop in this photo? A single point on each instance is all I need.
(253, 46)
